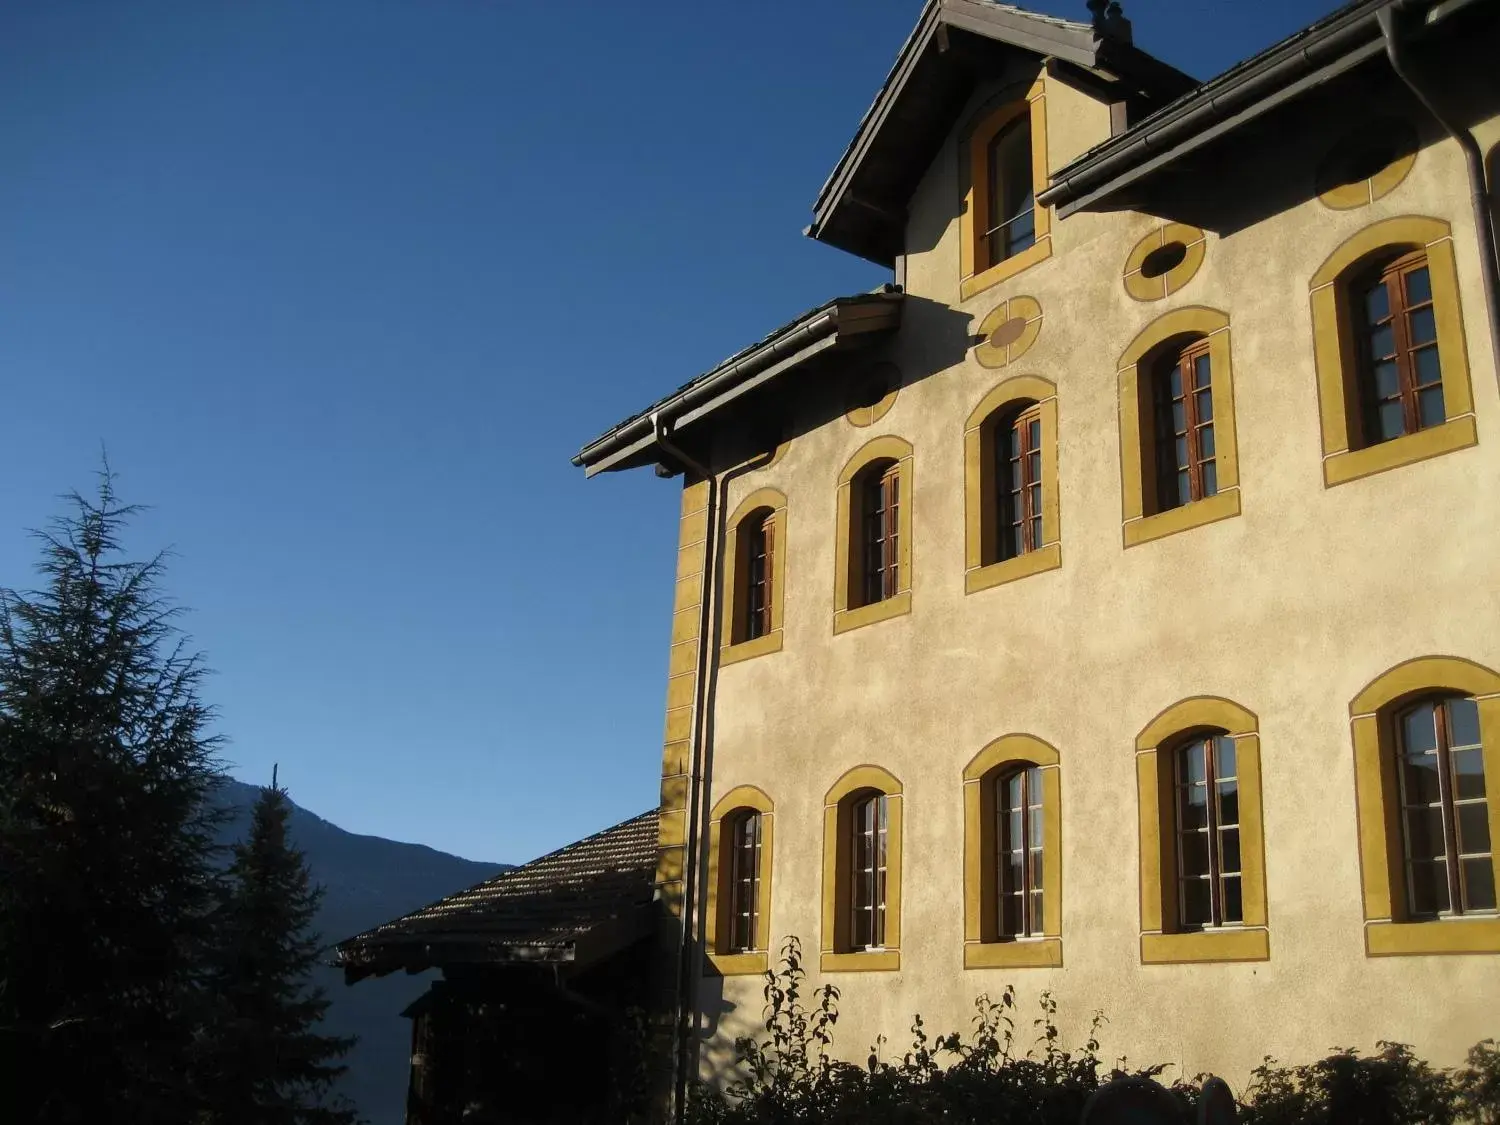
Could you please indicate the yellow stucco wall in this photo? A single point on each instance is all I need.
(1288, 609)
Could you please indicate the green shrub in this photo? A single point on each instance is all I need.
(984, 1077)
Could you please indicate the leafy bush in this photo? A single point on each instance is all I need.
(984, 1077)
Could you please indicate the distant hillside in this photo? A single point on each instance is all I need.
(368, 880)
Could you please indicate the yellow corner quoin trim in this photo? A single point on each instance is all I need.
(981, 571)
(846, 544)
(742, 798)
(981, 930)
(1389, 929)
(736, 579)
(1141, 523)
(1027, 310)
(1158, 875)
(1143, 288)
(976, 273)
(1041, 953)
(1208, 945)
(836, 956)
(1334, 351)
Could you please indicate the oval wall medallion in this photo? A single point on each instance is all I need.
(872, 394)
(1367, 164)
(1164, 261)
(1008, 331)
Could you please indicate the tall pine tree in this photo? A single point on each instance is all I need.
(264, 1062)
(108, 870)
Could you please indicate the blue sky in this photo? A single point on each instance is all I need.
(342, 286)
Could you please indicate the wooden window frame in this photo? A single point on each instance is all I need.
(866, 903)
(850, 610)
(733, 806)
(1029, 917)
(983, 567)
(878, 490)
(998, 186)
(1164, 940)
(763, 508)
(1390, 928)
(985, 946)
(1336, 351)
(1018, 503)
(976, 272)
(744, 882)
(1142, 523)
(1181, 360)
(1392, 277)
(1217, 874)
(837, 948)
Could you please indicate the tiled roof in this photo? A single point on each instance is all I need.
(549, 902)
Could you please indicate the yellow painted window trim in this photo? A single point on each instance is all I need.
(732, 652)
(1158, 876)
(846, 617)
(979, 485)
(860, 779)
(1139, 524)
(739, 799)
(982, 947)
(1333, 351)
(1388, 930)
(974, 276)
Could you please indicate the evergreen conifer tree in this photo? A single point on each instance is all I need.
(108, 868)
(265, 1063)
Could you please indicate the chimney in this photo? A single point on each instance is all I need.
(1109, 20)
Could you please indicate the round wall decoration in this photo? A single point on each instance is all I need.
(1164, 261)
(1367, 164)
(1008, 331)
(872, 394)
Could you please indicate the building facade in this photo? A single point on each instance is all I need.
(1109, 606)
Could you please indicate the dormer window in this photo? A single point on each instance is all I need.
(1004, 231)
(1012, 202)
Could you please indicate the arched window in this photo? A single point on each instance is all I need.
(739, 885)
(1202, 854)
(862, 872)
(1388, 344)
(1010, 483)
(1445, 816)
(1010, 218)
(1182, 407)
(873, 552)
(1012, 856)
(1426, 747)
(1209, 887)
(756, 576)
(1399, 372)
(1179, 462)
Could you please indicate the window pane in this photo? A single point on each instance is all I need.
(1035, 839)
(1479, 884)
(1229, 850)
(1387, 380)
(1224, 758)
(1468, 773)
(1424, 833)
(1473, 828)
(1184, 488)
(1430, 406)
(1200, 372)
(1194, 853)
(1179, 417)
(1036, 912)
(1234, 905)
(1180, 451)
(1383, 342)
(1229, 804)
(1392, 421)
(1195, 903)
(1174, 382)
(1036, 867)
(1423, 326)
(1429, 366)
(1418, 287)
(1192, 762)
(1194, 810)
(1463, 722)
(1205, 442)
(1419, 729)
(1210, 479)
(1377, 303)
(1205, 405)
(1010, 915)
(1429, 887)
(1420, 776)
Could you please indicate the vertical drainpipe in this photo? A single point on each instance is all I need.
(1479, 193)
(683, 1004)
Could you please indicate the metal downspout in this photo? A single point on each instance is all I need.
(1479, 193)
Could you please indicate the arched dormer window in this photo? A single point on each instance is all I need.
(1010, 484)
(1005, 161)
(755, 581)
(1388, 344)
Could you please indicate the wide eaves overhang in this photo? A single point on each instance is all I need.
(843, 324)
(1121, 172)
(957, 45)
